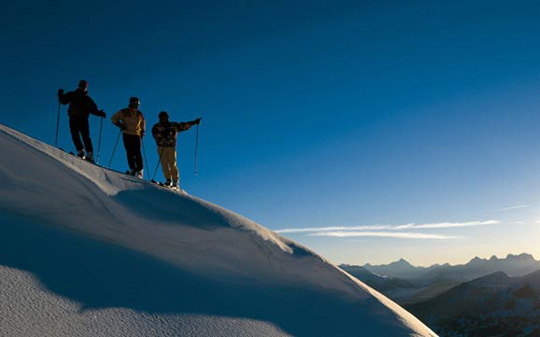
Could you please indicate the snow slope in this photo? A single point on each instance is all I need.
(86, 251)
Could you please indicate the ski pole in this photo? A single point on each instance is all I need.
(114, 150)
(57, 125)
(99, 142)
(159, 161)
(196, 148)
(144, 153)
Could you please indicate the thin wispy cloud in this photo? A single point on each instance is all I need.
(508, 208)
(399, 235)
(440, 225)
(334, 228)
(449, 224)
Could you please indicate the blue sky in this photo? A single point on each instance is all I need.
(316, 114)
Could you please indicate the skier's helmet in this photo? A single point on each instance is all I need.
(134, 102)
(163, 116)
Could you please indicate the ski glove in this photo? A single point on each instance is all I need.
(102, 113)
(121, 126)
(197, 121)
(60, 93)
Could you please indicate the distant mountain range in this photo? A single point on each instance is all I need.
(492, 305)
(407, 284)
(401, 290)
(512, 265)
(484, 297)
(381, 283)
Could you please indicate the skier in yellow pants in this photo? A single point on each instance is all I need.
(165, 133)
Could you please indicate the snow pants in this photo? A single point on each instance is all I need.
(78, 125)
(168, 163)
(132, 143)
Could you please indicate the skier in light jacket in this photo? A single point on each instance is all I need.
(165, 133)
(133, 125)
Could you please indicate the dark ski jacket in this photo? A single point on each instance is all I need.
(80, 104)
(165, 133)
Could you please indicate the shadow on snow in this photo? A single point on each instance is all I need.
(101, 275)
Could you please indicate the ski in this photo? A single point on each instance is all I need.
(93, 163)
(82, 158)
(159, 183)
(128, 173)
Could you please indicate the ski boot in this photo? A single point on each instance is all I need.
(90, 157)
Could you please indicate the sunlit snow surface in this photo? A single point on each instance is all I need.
(86, 251)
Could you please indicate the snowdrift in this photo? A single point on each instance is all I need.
(87, 251)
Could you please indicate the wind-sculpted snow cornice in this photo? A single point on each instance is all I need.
(61, 196)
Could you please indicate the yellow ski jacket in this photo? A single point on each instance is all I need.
(133, 121)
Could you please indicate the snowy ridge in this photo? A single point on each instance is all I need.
(215, 269)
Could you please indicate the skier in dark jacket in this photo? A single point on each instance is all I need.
(165, 133)
(80, 107)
